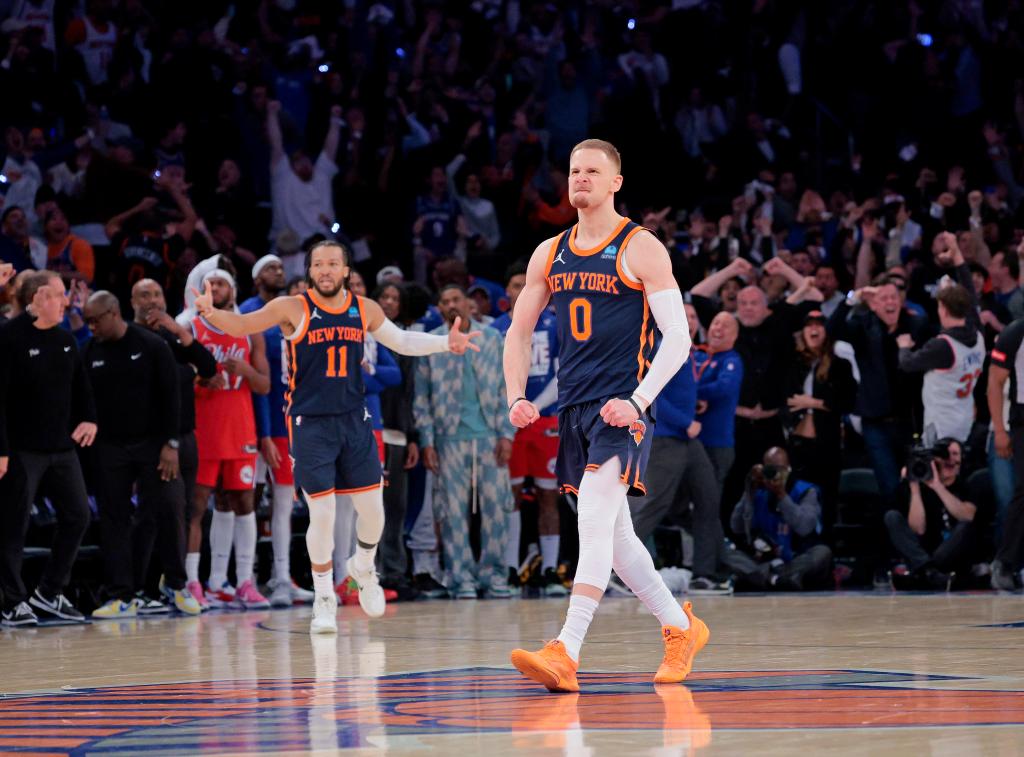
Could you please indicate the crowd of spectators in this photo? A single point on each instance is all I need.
(839, 186)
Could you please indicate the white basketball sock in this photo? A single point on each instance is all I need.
(245, 546)
(549, 544)
(577, 620)
(192, 567)
(323, 583)
(222, 534)
(281, 531)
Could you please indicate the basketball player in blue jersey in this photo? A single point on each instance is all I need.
(332, 439)
(611, 282)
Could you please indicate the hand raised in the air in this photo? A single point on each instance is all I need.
(204, 300)
(459, 342)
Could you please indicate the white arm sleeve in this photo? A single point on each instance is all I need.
(414, 343)
(669, 314)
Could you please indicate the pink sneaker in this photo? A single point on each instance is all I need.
(196, 590)
(248, 597)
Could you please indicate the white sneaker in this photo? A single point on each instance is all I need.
(325, 615)
(371, 595)
(280, 594)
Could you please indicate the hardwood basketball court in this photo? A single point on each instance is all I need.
(857, 674)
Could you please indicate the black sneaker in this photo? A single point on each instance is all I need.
(704, 586)
(20, 617)
(56, 609)
(400, 585)
(148, 606)
(551, 584)
(428, 587)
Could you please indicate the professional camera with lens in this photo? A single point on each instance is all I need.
(919, 465)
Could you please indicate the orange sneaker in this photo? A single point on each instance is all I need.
(681, 647)
(551, 666)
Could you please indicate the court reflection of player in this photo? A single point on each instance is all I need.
(332, 438)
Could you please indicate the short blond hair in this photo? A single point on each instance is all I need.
(599, 144)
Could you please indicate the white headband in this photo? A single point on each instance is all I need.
(220, 273)
(263, 263)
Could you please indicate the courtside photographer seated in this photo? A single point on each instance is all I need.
(778, 522)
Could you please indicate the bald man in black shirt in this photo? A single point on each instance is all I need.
(134, 379)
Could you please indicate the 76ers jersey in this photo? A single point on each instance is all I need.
(605, 328)
(225, 426)
(325, 359)
(543, 351)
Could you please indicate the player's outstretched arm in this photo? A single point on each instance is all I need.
(415, 343)
(648, 261)
(519, 338)
(286, 312)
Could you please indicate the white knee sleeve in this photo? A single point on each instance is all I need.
(320, 535)
(601, 494)
(369, 508)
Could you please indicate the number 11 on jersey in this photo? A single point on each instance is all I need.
(337, 369)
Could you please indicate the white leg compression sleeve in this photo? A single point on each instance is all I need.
(633, 564)
(320, 535)
(601, 495)
(344, 520)
(369, 507)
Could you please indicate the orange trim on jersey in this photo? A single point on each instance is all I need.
(359, 489)
(325, 308)
(625, 476)
(323, 493)
(643, 339)
(641, 487)
(551, 253)
(566, 488)
(592, 467)
(363, 316)
(618, 260)
(300, 334)
(595, 250)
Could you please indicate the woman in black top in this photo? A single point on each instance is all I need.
(820, 389)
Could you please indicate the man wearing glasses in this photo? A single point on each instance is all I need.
(138, 446)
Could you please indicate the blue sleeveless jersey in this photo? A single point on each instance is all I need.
(605, 327)
(325, 358)
(544, 348)
(276, 352)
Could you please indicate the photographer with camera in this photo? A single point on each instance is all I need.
(778, 520)
(933, 529)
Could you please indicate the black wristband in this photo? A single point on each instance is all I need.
(517, 399)
(639, 412)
